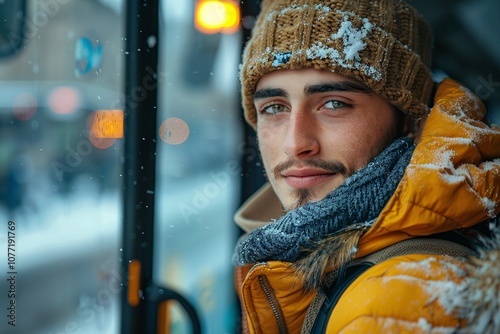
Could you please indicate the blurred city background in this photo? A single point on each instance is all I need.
(62, 67)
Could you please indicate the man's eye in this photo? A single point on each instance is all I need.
(273, 109)
(335, 104)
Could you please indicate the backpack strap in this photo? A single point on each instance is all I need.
(338, 281)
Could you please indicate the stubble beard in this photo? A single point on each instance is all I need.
(302, 196)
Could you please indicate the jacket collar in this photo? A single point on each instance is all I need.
(260, 209)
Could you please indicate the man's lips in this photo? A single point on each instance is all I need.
(306, 178)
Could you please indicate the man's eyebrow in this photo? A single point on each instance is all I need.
(269, 92)
(338, 86)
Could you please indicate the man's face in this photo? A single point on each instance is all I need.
(315, 129)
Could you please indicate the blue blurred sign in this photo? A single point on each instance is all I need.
(88, 56)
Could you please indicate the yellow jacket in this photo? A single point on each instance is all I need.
(452, 182)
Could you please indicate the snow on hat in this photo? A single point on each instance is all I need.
(385, 44)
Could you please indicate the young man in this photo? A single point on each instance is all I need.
(378, 178)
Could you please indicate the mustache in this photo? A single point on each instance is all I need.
(333, 166)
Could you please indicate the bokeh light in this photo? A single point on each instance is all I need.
(64, 100)
(174, 131)
(107, 124)
(25, 106)
(213, 16)
(101, 143)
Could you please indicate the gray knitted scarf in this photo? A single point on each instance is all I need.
(359, 200)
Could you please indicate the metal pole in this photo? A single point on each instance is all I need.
(140, 127)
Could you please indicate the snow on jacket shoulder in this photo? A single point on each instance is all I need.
(394, 297)
(452, 182)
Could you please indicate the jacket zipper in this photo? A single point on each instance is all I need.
(270, 298)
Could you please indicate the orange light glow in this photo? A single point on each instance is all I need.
(213, 16)
(105, 126)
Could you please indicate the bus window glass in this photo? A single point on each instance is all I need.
(61, 165)
(60, 173)
(198, 168)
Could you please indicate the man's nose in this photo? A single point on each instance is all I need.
(301, 136)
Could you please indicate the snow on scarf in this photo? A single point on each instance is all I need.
(359, 200)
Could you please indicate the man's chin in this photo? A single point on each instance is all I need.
(299, 197)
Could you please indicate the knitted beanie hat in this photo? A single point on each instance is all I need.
(384, 44)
